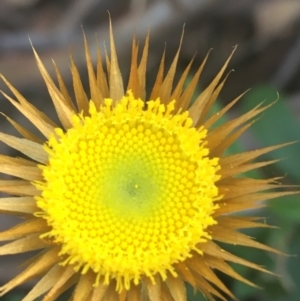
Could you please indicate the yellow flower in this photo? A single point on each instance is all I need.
(128, 199)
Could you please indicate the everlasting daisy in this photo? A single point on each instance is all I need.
(128, 198)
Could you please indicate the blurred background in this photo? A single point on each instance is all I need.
(267, 60)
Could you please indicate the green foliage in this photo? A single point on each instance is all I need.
(277, 125)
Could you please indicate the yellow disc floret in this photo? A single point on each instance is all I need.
(129, 190)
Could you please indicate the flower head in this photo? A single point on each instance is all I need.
(128, 197)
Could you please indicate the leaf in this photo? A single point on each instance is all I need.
(277, 125)
(287, 208)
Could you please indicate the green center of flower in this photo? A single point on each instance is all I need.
(131, 186)
(129, 191)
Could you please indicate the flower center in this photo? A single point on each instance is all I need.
(128, 191)
(130, 186)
